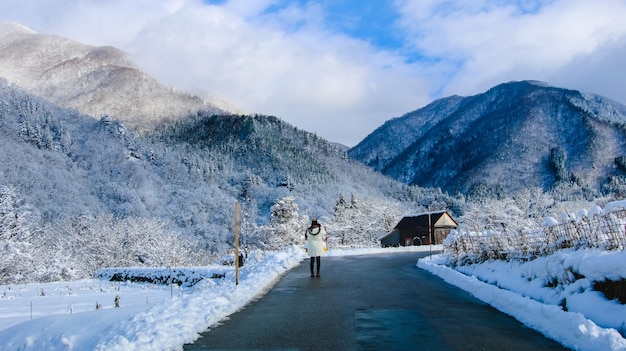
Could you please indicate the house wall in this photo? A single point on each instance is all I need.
(440, 235)
(445, 221)
(421, 235)
(391, 240)
(420, 232)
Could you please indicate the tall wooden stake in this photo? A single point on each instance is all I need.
(430, 236)
(236, 243)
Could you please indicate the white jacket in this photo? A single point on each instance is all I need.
(315, 241)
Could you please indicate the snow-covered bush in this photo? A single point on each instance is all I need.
(606, 231)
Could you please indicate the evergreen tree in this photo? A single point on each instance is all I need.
(286, 226)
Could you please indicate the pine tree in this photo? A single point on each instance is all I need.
(286, 226)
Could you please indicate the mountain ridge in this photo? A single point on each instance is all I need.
(502, 139)
(66, 166)
(94, 80)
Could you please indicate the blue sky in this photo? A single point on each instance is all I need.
(371, 21)
(341, 68)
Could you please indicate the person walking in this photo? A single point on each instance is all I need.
(315, 237)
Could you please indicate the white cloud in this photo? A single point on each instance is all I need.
(282, 60)
(597, 73)
(485, 43)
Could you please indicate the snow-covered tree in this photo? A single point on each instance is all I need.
(286, 225)
(345, 221)
(534, 203)
(360, 222)
(526, 208)
(15, 234)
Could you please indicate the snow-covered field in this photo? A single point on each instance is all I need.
(154, 317)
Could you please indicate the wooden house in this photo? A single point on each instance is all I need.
(414, 230)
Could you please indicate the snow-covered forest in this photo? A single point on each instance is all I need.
(78, 194)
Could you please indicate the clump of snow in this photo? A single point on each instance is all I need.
(550, 221)
(596, 210)
(614, 205)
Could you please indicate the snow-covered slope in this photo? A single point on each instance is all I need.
(69, 178)
(514, 136)
(384, 144)
(93, 80)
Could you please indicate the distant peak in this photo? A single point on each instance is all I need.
(526, 82)
(8, 27)
(537, 82)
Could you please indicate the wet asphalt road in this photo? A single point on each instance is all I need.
(369, 302)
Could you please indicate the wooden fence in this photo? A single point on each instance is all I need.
(606, 231)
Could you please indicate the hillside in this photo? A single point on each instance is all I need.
(69, 164)
(69, 178)
(96, 81)
(516, 135)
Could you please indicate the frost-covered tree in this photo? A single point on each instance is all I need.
(489, 215)
(148, 243)
(15, 234)
(345, 222)
(361, 222)
(534, 203)
(286, 225)
(381, 216)
(525, 209)
(90, 243)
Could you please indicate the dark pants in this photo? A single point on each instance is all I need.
(319, 261)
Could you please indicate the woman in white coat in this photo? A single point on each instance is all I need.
(315, 242)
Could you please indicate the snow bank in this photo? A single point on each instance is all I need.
(154, 317)
(165, 326)
(518, 289)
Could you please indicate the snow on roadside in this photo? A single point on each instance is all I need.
(165, 323)
(168, 322)
(518, 289)
(181, 321)
(165, 326)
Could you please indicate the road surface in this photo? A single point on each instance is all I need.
(369, 302)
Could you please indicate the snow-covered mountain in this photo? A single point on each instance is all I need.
(93, 80)
(73, 188)
(516, 135)
(100, 165)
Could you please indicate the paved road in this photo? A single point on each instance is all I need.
(370, 302)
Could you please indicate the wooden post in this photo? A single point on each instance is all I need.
(430, 236)
(170, 280)
(236, 243)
